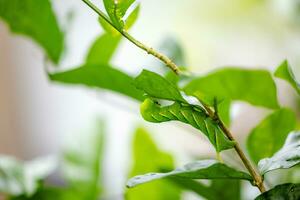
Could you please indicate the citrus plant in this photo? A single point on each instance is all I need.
(201, 101)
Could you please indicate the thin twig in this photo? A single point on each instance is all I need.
(166, 60)
(258, 180)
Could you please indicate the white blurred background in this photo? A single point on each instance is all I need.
(39, 118)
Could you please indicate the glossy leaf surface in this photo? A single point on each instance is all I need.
(253, 86)
(100, 76)
(287, 157)
(203, 169)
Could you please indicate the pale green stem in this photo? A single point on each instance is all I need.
(167, 61)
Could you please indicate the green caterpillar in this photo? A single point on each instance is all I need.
(189, 114)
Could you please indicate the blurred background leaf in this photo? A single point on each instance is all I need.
(269, 136)
(35, 19)
(147, 157)
(23, 178)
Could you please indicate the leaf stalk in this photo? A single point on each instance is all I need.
(258, 179)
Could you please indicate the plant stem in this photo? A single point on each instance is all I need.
(167, 61)
(258, 180)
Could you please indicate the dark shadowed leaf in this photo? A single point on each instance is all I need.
(253, 86)
(218, 189)
(51, 193)
(288, 191)
(147, 157)
(203, 169)
(103, 49)
(157, 86)
(36, 20)
(285, 72)
(100, 76)
(287, 157)
(269, 136)
(17, 178)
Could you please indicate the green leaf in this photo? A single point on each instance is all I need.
(131, 19)
(214, 191)
(103, 49)
(100, 76)
(203, 169)
(287, 157)
(253, 86)
(288, 191)
(269, 136)
(224, 111)
(227, 189)
(194, 186)
(147, 157)
(189, 114)
(82, 168)
(35, 20)
(157, 86)
(116, 10)
(284, 71)
(107, 27)
(17, 178)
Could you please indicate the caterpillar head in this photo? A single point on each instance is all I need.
(147, 108)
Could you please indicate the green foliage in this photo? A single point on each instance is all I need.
(130, 21)
(18, 178)
(82, 168)
(253, 86)
(157, 86)
(203, 169)
(218, 189)
(147, 157)
(226, 189)
(224, 111)
(287, 157)
(36, 20)
(190, 114)
(269, 136)
(103, 49)
(288, 191)
(285, 72)
(116, 10)
(100, 76)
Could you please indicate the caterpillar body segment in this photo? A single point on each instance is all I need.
(189, 114)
